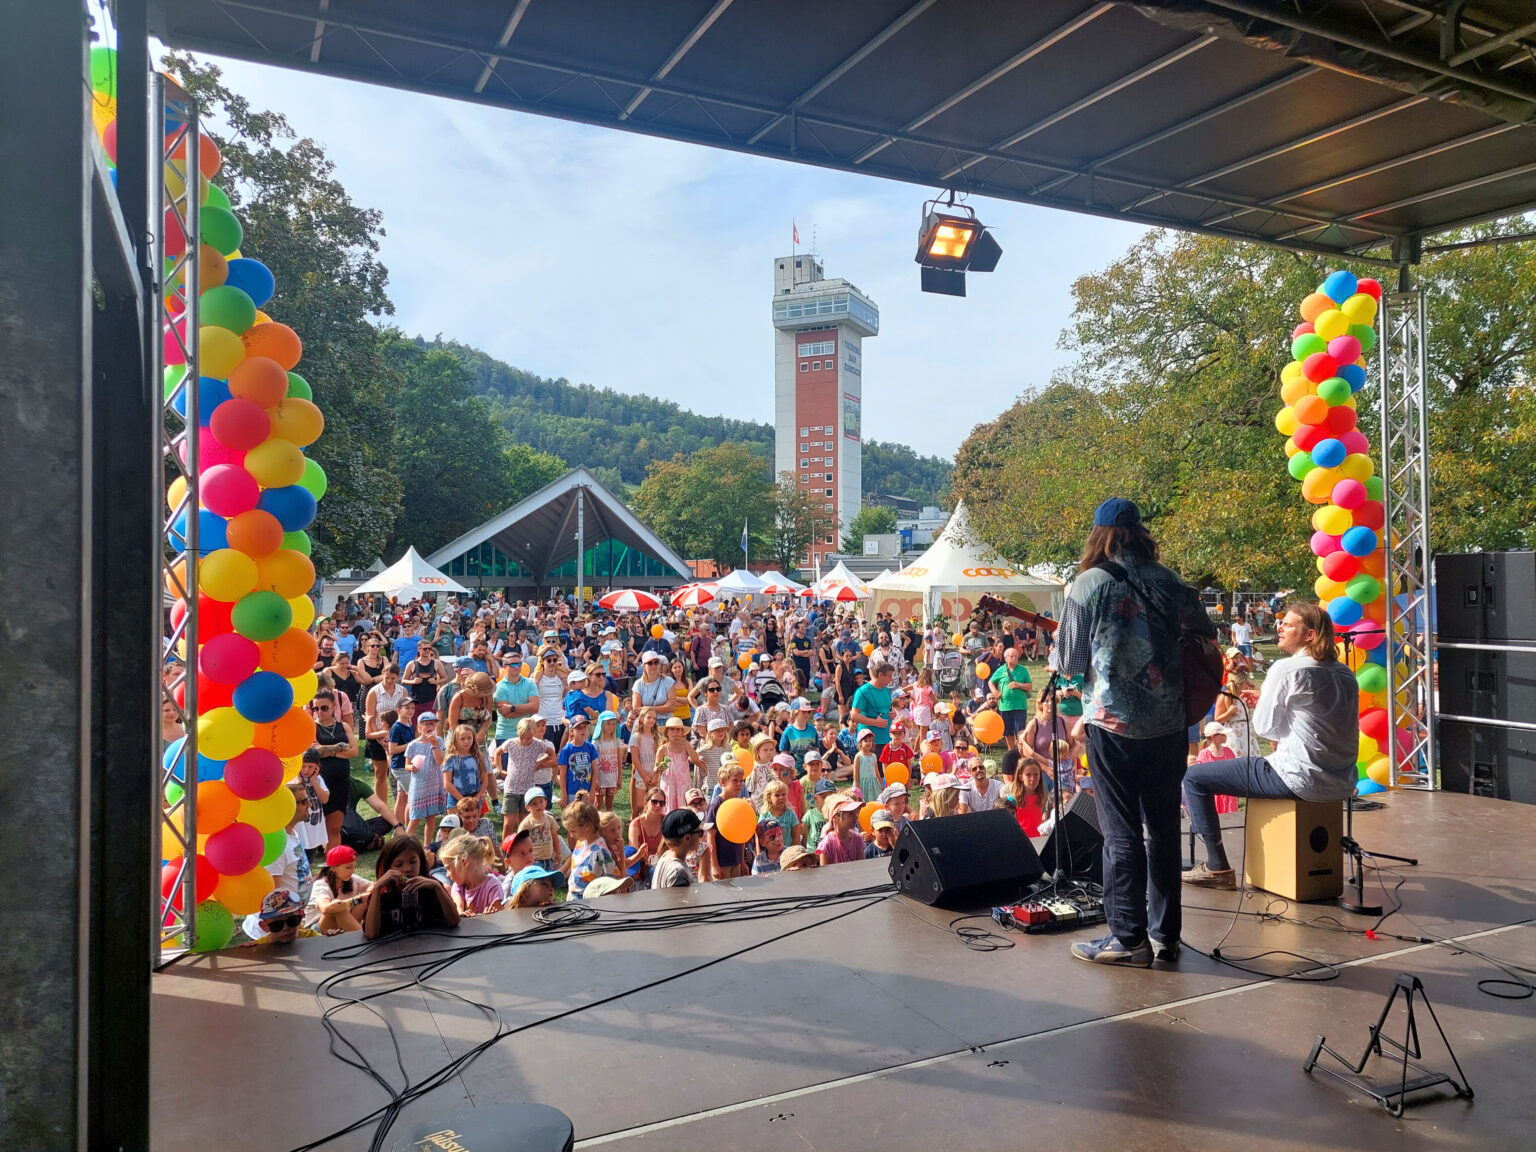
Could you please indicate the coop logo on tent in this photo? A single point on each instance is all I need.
(1005, 573)
(431, 580)
(914, 571)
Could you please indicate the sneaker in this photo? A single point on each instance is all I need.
(1202, 877)
(1165, 953)
(1109, 950)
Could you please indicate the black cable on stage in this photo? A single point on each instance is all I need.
(555, 923)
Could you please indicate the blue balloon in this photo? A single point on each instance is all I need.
(293, 506)
(212, 532)
(1343, 610)
(210, 394)
(263, 697)
(206, 769)
(1354, 374)
(1358, 541)
(252, 278)
(1329, 453)
(1340, 286)
(1377, 655)
(1367, 787)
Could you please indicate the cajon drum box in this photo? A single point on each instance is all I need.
(1293, 848)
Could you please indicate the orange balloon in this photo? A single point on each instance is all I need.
(1375, 564)
(868, 648)
(1315, 305)
(212, 268)
(736, 820)
(897, 774)
(289, 735)
(275, 341)
(217, 807)
(1317, 487)
(1311, 409)
(988, 727)
(291, 654)
(867, 813)
(259, 379)
(932, 762)
(208, 156)
(256, 533)
(244, 893)
(983, 670)
(176, 578)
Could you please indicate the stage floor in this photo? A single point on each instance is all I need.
(873, 1026)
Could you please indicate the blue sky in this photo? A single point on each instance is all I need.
(644, 265)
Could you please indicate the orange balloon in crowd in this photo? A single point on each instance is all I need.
(988, 727)
(897, 774)
(656, 631)
(867, 813)
(242, 894)
(868, 647)
(736, 820)
(932, 762)
(291, 654)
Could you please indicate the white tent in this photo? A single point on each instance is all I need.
(955, 573)
(773, 577)
(410, 576)
(841, 577)
(738, 583)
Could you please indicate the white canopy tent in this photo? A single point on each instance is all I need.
(738, 583)
(410, 576)
(773, 578)
(955, 573)
(840, 577)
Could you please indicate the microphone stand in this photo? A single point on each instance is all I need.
(1063, 872)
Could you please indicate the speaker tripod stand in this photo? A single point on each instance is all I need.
(1354, 901)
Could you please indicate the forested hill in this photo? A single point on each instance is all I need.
(616, 434)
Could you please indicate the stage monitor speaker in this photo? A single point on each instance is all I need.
(1495, 684)
(977, 860)
(1077, 840)
(1293, 848)
(1486, 596)
(1482, 760)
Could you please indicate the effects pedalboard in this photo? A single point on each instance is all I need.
(1051, 913)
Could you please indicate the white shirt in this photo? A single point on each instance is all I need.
(1312, 712)
(1242, 633)
(978, 801)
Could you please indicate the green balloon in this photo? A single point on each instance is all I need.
(1363, 589)
(1371, 678)
(104, 70)
(216, 198)
(1335, 390)
(215, 927)
(218, 228)
(274, 842)
(298, 541)
(1374, 487)
(1306, 344)
(174, 792)
(173, 378)
(261, 615)
(313, 481)
(1365, 334)
(1300, 464)
(298, 386)
(228, 307)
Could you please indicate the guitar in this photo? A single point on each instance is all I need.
(1003, 608)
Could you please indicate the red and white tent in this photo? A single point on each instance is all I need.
(693, 595)
(629, 600)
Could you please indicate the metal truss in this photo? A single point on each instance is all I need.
(175, 190)
(1409, 559)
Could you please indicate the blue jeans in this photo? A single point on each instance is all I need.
(1245, 776)
(1136, 785)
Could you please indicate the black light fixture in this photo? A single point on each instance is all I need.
(950, 243)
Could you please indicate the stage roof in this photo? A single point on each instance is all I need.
(1357, 124)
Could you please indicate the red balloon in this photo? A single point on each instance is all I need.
(206, 878)
(228, 659)
(1340, 566)
(1319, 367)
(1375, 723)
(175, 235)
(1302, 329)
(211, 695)
(228, 489)
(213, 618)
(235, 850)
(1370, 515)
(254, 774)
(240, 425)
(1370, 287)
(1340, 421)
(1309, 436)
(109, 140)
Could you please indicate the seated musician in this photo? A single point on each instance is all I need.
(1309, 705)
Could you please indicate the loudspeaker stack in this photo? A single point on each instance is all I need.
(1485, 605)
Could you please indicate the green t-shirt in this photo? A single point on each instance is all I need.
(813, 824)
(1013, 684)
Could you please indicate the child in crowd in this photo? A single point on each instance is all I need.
(682, 833)
(475, 887)
(310, 830)
(835, 761)
(630, 861)
(923, 700)
(882, 835)
(1215, 746)
(800, 736)
(813, 776)
(741, 741)
(1029, 796)
(424, 758)
(784, 771)
(770, 846)
(841, 842)
(729, 858)
(577, 758)
(937, 744)
(941, 795)
(700, 859)
(541, 828)
(590, 854)
(674, 760)
(798, 859)
(713, 748)
(763, 745)
(866, 765)
(517, 852)
(339, 900)
(895, 799)
(1063, 771)
(644, 743)
(466, 769)
(610, 760)
(816, 812)
(896, 752)
(776, 808)
(533, 887)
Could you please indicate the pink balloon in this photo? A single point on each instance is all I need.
(1344, 349)
(1324, 544)
(1354, 441)
(210, 453)
(1349, 494)
(235, 850)
(229, 490)
(171, 345)
(254, 774)
(1301, 330)
(228, 659)
(1367, 634)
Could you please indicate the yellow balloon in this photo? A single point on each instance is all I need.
(291, 766)
(304, 688)
(1290, 372)
(1286, 422)
(243, 894)
(303, 612)
(226, 575)
(1369, 749)
(1359, 308)
(103, 111)
(261, 318)
(1380, 770)
(1318, 484)
(1355, 658)
(1293, 390)
(275, 463)
(1290, 447)
(222, 733)
(269, 813)
(235, 255)
(1326, 589)
(297, 420)
(1349, 402)
(1330, 324)
(1369, 700)
(1333, 520)
(219, 351)
(176, 492)
(287, 572)
(1358, 466)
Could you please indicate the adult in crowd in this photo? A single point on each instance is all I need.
(515, 697)
(550, 681)
(871, 707)
(1309, 706)
(654, 688)
(1123, 626)
(423, 676)
(336, 744)
(1009, 689)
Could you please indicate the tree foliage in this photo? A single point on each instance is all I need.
(798, 522)
(870, 520)
(699, 504)
(897, 470)
(1172, 397)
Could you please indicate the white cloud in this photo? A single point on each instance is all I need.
(644, 265)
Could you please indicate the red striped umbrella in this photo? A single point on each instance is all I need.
(629, 600)
(693, 595)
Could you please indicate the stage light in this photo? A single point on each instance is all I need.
(950, 243)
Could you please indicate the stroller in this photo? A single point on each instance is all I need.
(949, 672)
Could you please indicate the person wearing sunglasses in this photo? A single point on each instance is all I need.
(281, 919)
(645, 829)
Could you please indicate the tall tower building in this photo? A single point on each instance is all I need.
(818, 374)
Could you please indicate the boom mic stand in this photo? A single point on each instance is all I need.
(1357, 855)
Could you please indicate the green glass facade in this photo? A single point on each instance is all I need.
(605, 559)
(486, 560)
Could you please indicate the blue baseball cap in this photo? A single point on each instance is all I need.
(531, 873)
(1116, 512)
